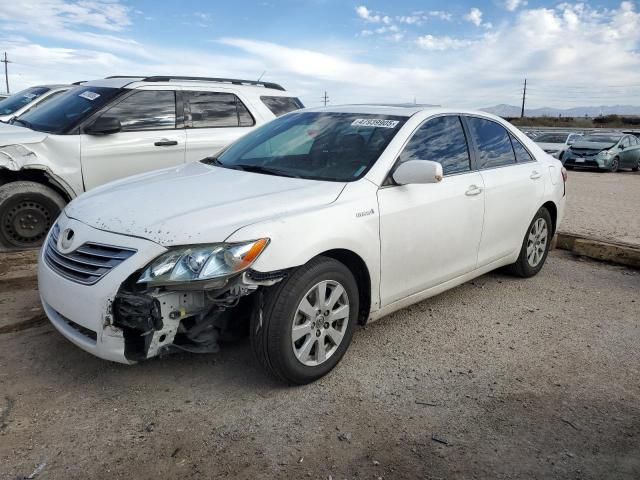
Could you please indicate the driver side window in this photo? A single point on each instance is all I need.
(442, 140)
(146, 110)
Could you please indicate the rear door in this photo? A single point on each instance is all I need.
(213, 119)
(430, 233)
(150, 138)
(514, 187)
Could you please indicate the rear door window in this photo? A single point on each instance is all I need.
(493, 143)
(441, 140)
(281, 105)
(146, 110)
(216, 110)
(522, 154)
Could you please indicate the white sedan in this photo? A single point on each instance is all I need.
(316, 222)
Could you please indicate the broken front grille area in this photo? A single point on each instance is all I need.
(88, 263)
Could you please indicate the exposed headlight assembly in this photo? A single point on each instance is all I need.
(605, 153)
(202, 262)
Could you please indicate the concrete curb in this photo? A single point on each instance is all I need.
(599, 249)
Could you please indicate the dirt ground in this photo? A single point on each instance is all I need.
(499, 378)
(604, 205)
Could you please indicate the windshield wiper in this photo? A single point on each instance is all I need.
(212, 161)
(23, 122)
(265, 170)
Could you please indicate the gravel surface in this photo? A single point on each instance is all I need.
(498, 378)
(603, 205)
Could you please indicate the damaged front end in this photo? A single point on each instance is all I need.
(190, 300)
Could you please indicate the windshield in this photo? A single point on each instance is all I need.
(601, 138)
(68, 109)
(331, 146)
(552, 138)
(25, 97)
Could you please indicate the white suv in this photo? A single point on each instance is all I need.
(315, 222)
(120, 126)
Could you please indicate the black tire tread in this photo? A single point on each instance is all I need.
(521, 267)
(274, 301)
(21, 187)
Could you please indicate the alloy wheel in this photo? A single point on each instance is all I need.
(320, 322)
(537, 242)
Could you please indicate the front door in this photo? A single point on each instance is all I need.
(149, 139)
(430, 233)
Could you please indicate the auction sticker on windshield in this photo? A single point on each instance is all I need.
(374, 122)
(89, 95)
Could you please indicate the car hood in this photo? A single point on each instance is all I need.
(14, 134)
(551, 146)
(592, 145)
(196, 203)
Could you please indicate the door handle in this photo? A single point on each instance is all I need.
(165, 143)
(535, 175)
(473, 190)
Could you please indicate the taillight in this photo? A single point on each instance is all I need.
(565, 176)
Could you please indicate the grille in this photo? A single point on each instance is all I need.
(585, 151)
(88, 263)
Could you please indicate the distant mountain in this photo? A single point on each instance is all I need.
(512, 111)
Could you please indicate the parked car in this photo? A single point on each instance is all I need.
(108, 129)
(605, 151)
(556, 143)
(305, 227)
(19, 103)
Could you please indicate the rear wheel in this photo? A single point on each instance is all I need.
(637, 167)
(535, 246)
(27, 211)
(306, 322)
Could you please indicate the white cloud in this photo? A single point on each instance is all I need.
(440, 14)
(430, 42)
(366, 14)
(474, 16)
(100, 14)
(513, 5)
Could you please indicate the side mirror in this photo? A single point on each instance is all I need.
(104, 126)
(621, 147)
(417, 171)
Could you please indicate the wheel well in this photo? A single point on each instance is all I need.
(360, 271)
(553, 211)
(32, 175)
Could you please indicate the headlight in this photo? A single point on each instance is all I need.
(203, 262)
(604, 154)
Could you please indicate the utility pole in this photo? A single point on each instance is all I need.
(325, 98)
(6, 74)
(524, 97)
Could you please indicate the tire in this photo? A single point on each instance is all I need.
(569, 167)
(637, 167)
(615, 165)
(524, 267)
(27, 212)
(272, 324)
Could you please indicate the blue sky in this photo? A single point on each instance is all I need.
(464, 53)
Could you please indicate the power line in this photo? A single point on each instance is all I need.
(6, 73)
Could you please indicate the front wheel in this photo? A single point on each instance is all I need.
(615, 165)
(305, 323)
(27, 211)
(535, 246)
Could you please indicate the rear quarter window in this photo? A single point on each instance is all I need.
(281, 105)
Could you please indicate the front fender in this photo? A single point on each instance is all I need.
(350, 223)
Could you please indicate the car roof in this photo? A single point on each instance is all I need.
(401, 110)
(139, 81)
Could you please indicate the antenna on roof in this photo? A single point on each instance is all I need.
(262, 75)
